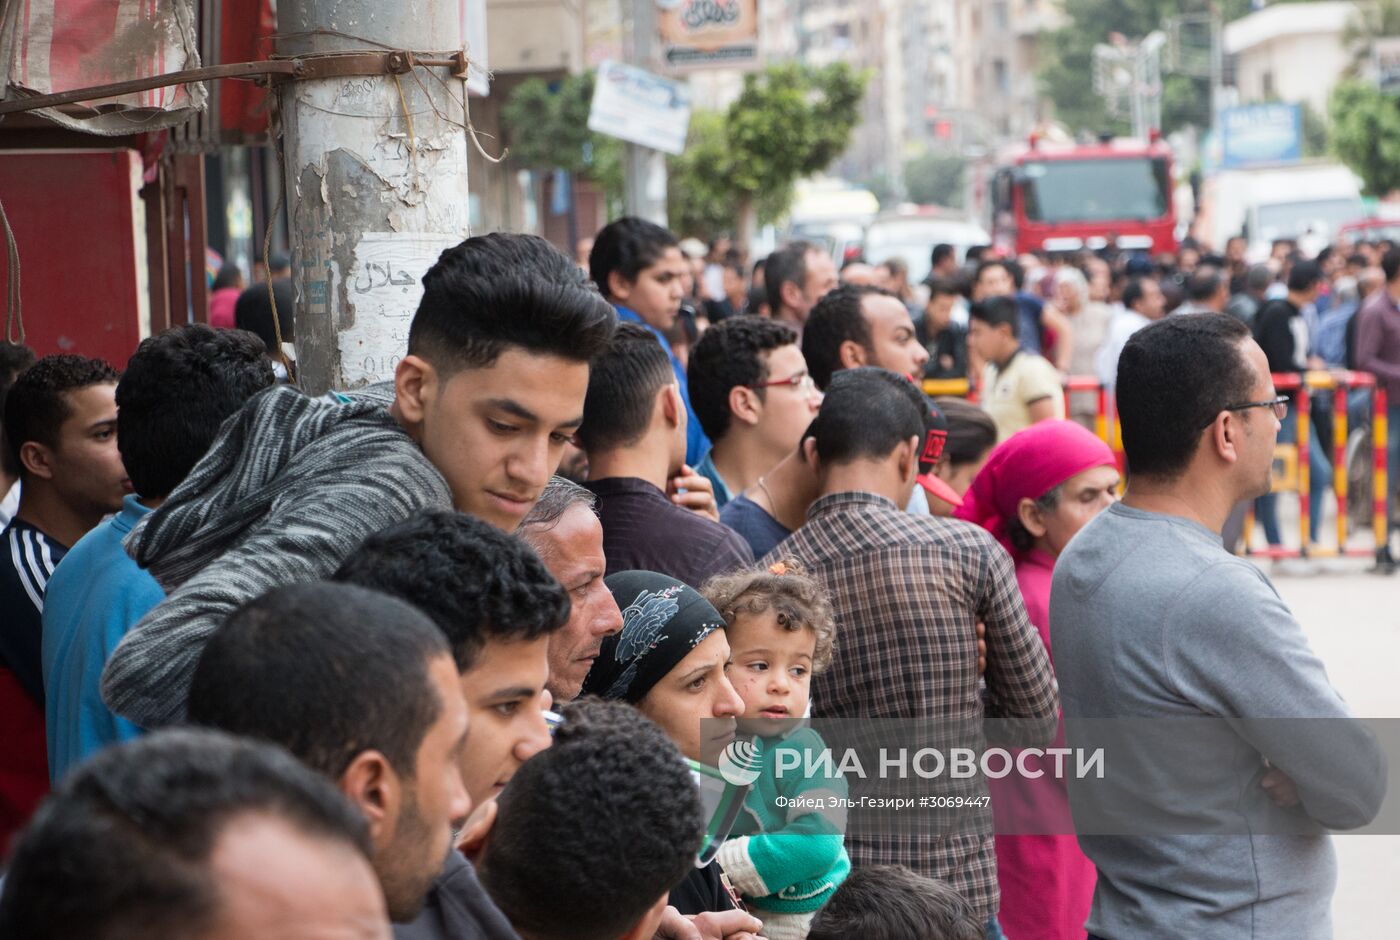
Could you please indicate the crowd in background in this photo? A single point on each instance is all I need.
(450, 651)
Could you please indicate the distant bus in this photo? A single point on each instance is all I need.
(1064, 197)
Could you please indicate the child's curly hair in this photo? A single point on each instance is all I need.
(784, 587)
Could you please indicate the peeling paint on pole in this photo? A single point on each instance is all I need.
(376, 176)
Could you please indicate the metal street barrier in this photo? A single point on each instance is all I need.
(1359, 476)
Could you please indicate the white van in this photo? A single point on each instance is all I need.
(1308, 202)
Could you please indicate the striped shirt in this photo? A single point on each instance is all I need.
(29, 559)
(908, 593)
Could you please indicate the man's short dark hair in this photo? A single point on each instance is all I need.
(628, 246)
(612, 788)
(890, 902)
(836, 318)
(943, 287)
(1390, 264)
(122, 848)
(178, 388)
(37, 403)
(971, 431)
(995, 311)
(1174, 377)
(1133, 292)
(622, 389)
(477, 583)
(1258, 278)
(731, 353)
(787, 265)
(1203, 284)
(279, 262)
(1304, 275)
(501, 290)
(14, 359)
(941, 253)
(867, 412)
(327, 671)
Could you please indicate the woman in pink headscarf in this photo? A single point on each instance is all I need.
(1038, 488)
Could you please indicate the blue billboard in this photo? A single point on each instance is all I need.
(1256, 134)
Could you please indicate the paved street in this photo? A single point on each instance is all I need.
(1353, 622)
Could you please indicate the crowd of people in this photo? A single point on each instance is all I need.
(447, 656)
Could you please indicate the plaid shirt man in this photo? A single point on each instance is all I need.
(908, 592)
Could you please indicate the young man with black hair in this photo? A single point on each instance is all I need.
(61, 431)
(361, 688)
(193, 835)
(1280, 328)
(640, 269)
(1143, 303)
(1019, 388)
(613, 801)
(890, 902)
(634, 434)
(477, 418)
(14, 359)
(498, 606)
(176, 392)
(943, 261)
(797, 276)
(945, 340)
(564, 530)
(918, 586)
(1229, 668)
(857, 326)
(995, 277)
(753, 394)
(863, 326)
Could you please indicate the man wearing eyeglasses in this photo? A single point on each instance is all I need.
(754, 397)
(1228, 752)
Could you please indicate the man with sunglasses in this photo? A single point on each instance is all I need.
(752, 392)
(1219, 820)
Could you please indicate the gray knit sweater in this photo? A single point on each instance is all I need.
(291, 485)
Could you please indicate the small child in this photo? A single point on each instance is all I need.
(781, 630)
(890, 902)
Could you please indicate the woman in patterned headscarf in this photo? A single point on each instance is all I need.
(669, 661)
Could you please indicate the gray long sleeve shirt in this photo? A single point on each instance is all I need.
(1153, 623)
(289, 488)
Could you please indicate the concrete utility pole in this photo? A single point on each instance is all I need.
(376, 180)
(644, 169)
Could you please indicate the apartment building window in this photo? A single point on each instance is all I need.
(1000, 17)
(1001, 76)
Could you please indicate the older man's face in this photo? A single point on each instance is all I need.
(573, 553)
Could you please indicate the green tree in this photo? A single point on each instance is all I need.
(1067, 61)
(789, 121)
(546, 127)
(936, 178)
(1366, 134)
(1372, 20)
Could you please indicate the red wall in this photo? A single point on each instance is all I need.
(73, 213)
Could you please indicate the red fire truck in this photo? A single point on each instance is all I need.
(1063, 197)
